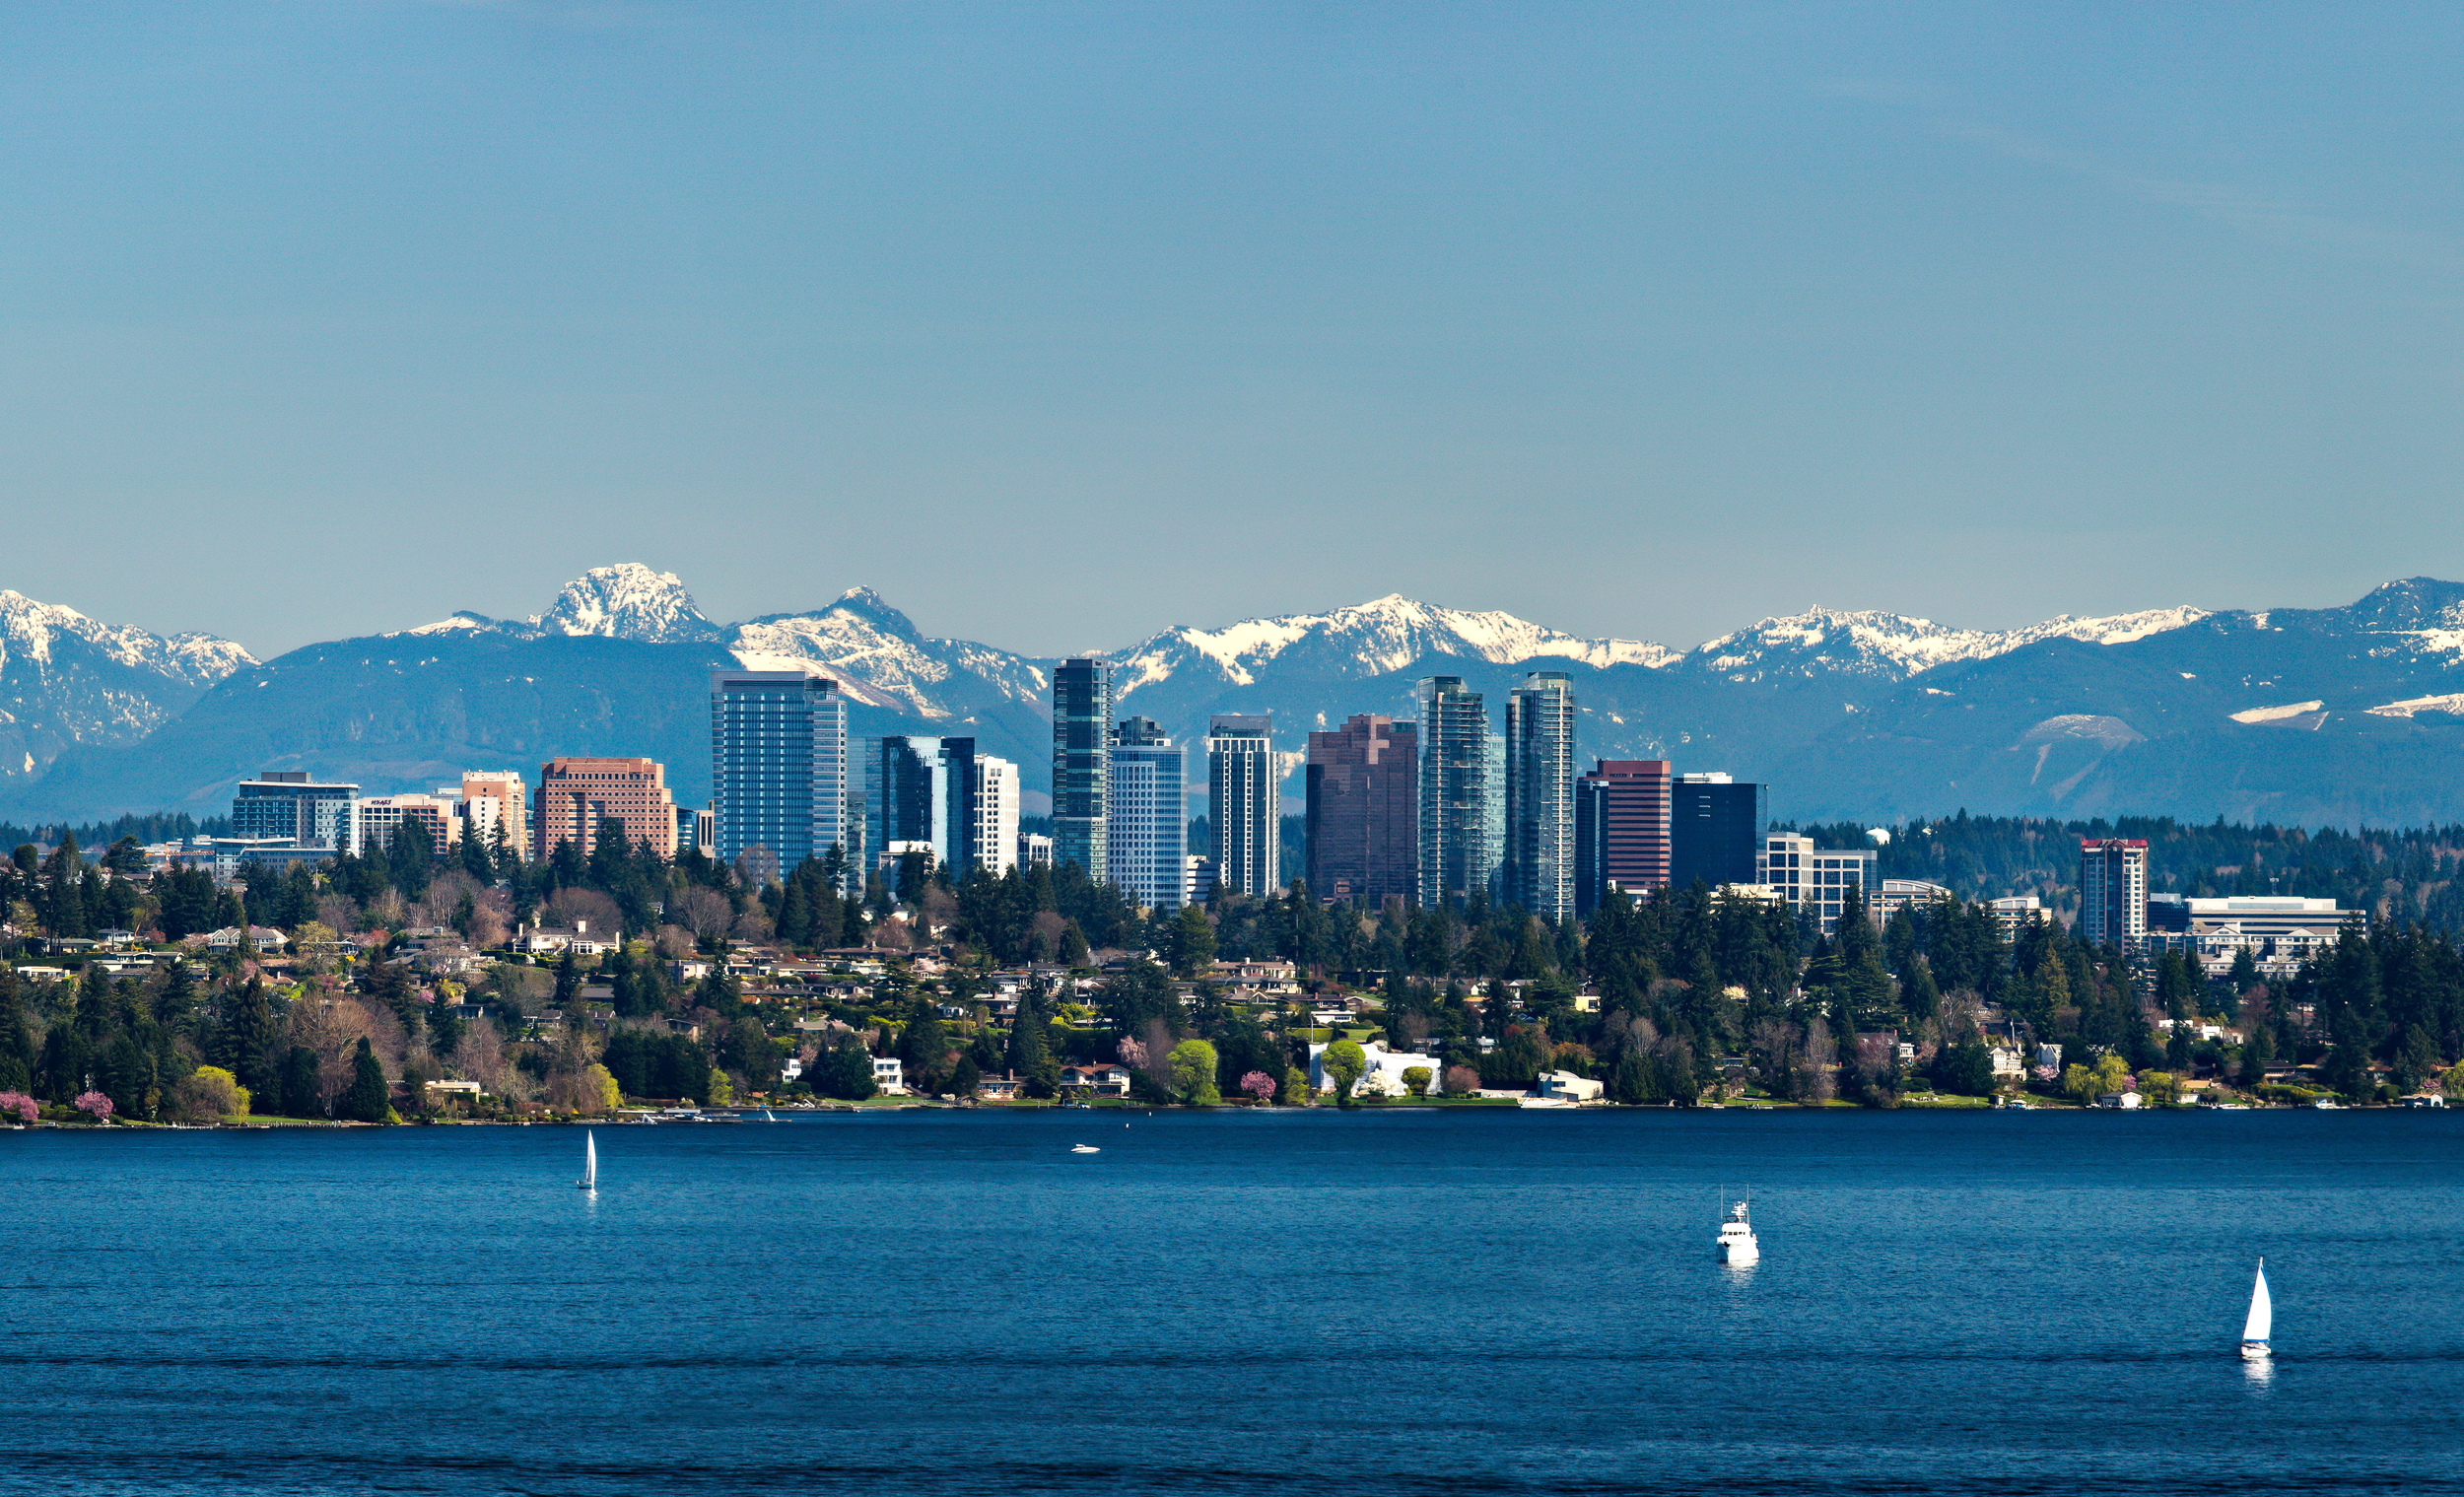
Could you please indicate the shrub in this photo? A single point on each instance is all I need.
(211, 1094)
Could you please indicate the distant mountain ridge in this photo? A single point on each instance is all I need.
(67, 680)
(2317, 715)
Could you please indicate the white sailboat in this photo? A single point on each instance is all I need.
(590, 1180)
(2261, 1323)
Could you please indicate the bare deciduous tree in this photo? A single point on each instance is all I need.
(706, 913)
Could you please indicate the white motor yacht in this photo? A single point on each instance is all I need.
(1737, 1245)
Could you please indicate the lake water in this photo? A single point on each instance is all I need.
(1389, 1302)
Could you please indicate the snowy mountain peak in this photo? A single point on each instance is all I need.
(627, 601)
(865, 603)
(1823, 641)
(30, 631)
(1371, 639)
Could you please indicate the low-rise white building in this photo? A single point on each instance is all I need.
(1384, 1076)
(889, 1074)
(1569, 1086)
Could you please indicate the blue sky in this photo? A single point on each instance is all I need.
(1062, 324)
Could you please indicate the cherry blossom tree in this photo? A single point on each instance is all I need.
(1133, 1054)
(1260, 1086)
(96, 1106)
(20, 1104)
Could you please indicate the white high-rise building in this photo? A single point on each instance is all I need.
(1146, 833)
(995, 807)
(1243, 797)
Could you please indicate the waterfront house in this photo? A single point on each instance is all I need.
(1384, 1074)
(1104, 1080)
(1569, 1086)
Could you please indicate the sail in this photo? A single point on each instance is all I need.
(2262, 1319)
(591, 1160)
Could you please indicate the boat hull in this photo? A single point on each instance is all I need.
(2254, 1351)
(1739, 1257)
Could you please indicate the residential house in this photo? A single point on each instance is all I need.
(1384, 1074)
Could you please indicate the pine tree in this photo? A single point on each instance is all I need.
(369, 1099)
(247, 1039)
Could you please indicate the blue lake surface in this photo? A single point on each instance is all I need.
(1387, 1301)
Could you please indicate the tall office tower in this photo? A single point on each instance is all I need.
(1081, 747)
(576, 794)
(1539, 795)
(1458, 831)
(920, 788)
(1715, 831)
(779, 767)
(1246, 805)
(510, 801)
(2113, 892)
(1621, 829)
(993, 809)
(1363, 811)
(287, 803)
(1148, 822)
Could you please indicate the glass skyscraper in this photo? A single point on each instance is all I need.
(1458, 830)
(778, 765)
(1147, 822)
(920, 788)
(1082, 759)
(1539, 795)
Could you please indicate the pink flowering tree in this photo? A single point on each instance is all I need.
(94, 1104)
(1132, 1054)
(20, 1104)
(1258, 1085)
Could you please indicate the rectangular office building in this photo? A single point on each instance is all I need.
(1363, 811)
(921, 789)
(1620, 831)
(281, 803)
(1715, 831)
(1082, 700)
(1816, 879)
(778, 770)
(1148, 822)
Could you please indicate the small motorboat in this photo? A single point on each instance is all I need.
(1084, 1148)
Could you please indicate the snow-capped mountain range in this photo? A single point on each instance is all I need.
(2346, 713)
(885, 661)
(66, 679)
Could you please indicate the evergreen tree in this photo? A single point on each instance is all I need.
(478, 860)
(17, 1041)
(411, 857)
(924, 1049)
(246, 1048)
(177, 996)
(302, 1090)
(1030, 1056)
(568, 980)
(368, 1099)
